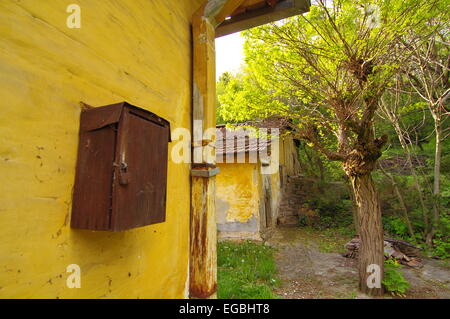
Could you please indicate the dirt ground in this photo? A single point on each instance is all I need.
(306, 271)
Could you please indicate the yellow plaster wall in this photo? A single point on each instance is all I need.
(133, 50)
(237, 185)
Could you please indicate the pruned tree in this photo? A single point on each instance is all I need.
(326, 71)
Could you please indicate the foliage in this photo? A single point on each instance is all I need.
(394, 281)
(329, 204)
(246, 271)
(441, 243)
(334, 212)
(441, 248)
(315, 165)
(242, 90)
(396, 227)
(322, 69)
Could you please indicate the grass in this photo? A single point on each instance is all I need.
(331, 240)
(246, 270)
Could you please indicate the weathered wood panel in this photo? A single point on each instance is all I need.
(203, 270)
(257, 14)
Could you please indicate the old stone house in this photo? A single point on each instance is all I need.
(249, 191)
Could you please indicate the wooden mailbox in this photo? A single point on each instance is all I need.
(121, 173)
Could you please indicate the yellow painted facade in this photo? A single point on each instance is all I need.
(137, 51)
(238, 185)
(238, 200)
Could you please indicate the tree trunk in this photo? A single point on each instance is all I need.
(437, 174)
(371, 251)
(354, 207)
(321, 167)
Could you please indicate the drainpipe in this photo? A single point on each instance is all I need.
(203, 229)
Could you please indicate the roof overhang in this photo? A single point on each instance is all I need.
(253, 13)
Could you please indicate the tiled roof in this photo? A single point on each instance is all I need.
(243, 139)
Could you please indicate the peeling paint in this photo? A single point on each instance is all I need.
(203, 262)
(236, 186)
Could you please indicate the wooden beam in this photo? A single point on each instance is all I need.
(283, 9)
(205, 172)
(249, 5)
(229, 7)
(212, 13)
(204, 85)
(203, 262)
(203, 234)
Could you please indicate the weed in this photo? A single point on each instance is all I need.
(394, 281)
(246, 271)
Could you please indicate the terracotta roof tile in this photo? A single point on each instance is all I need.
(243, 139)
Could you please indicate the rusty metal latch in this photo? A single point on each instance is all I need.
(123, 174)
(123, 171)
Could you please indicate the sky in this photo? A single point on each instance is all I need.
(229, 53)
